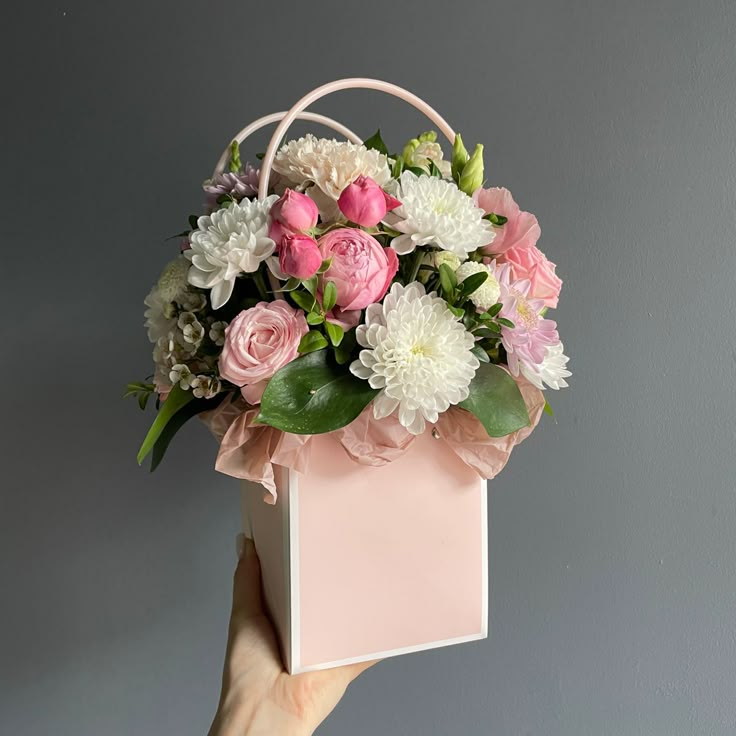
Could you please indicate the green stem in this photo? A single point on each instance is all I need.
(418, 258)
(261, 284)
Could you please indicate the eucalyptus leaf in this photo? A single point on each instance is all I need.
(496, 400)
(176, 399)
(312, 395)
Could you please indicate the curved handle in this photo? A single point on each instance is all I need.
(275, 117)
(340, 84)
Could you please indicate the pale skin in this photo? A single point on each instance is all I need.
(259, 698)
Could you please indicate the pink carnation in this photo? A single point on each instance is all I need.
(521, 229)
(258, 342)
(362, 268)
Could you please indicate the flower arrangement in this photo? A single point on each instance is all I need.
(369, 293)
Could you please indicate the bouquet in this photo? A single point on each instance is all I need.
(377, 295)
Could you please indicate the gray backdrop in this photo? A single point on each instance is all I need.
(612, 552)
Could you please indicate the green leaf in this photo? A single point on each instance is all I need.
(305, 301)
(193, 222)
(494, 310)
(448, 279)
(473, 282)
(179, 419)
(329, 297)
(496, 400)
(290, 285)
(313, 395)
(459, 157)
(416, 171)
(434, 170)
(310, 285)
(548, 409)
(505, 322)
(376, 143)
(481, 354)
(325, 266)
(176, 399)
(457, 311)
(398, 166)
(490, 331)
(312, 341)
(334, 332)
(315, 318)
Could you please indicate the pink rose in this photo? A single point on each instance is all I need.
(361, 268)
(299, 256)
(521, 229)
(293, 212)
(258, 342)
(365, 203)
(530, 263)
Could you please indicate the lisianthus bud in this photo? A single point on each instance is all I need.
(365, 203)
(459, 157)
(292, 213)
(472, 176)
(299, 256)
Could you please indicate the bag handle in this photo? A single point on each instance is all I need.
(275, 117)
(326, 89)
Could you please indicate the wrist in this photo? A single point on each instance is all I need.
(238, 718)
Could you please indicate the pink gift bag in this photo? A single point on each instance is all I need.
(362, 562)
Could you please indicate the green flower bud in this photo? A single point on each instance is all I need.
(472, 176)
(235, 163)
(429, 136)
(459, 157)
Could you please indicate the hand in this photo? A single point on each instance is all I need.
(259, 698)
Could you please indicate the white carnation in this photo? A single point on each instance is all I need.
(489, 292)
(418, 353)
(428, 151)
(435, 212)
(331, 165)
(230, 241)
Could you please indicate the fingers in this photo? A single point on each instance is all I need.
(247, 601)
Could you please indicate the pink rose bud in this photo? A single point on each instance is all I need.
(365, 203)
(299, 256)
(293, 212)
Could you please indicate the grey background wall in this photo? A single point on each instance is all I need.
(612, 547)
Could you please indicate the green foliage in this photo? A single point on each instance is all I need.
(176, 399)
(235, 162)
(329, 296)
(375, 142)
(306, 301)
(496, 400)
(312, 341)
(473, 282)
(142, 392)
(334, 332)
(497, 220)
(312, 395)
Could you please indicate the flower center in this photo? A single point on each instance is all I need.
(528, 316)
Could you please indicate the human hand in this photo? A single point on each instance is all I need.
(259, 698)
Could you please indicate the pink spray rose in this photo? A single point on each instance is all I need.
(530, 263)
(521, 230)
(365, 203)
(299, 256)
(361, 268)
(292, 213)
(258, 342)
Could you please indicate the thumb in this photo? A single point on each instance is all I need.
(247, 600)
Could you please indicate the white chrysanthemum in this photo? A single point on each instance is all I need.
(445, 256)
(160, 315)
(552, 370)
(331, 165)
(488, 293)
(172, 282)
(418, 353)
(228, 242)
(435, 212)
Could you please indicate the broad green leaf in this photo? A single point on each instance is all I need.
(311, 285)
(473, 282)
(325, 266)
(315, 318)
(376, 143)
(416, 171)
(312, 341)
(329, 297)
(334, 332)
(176, 399)
(505, 322)
(457, 311)
(481, 354)
(305, 301)
(313, 395)
(496, 400)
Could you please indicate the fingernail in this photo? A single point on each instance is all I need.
(240, 545)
